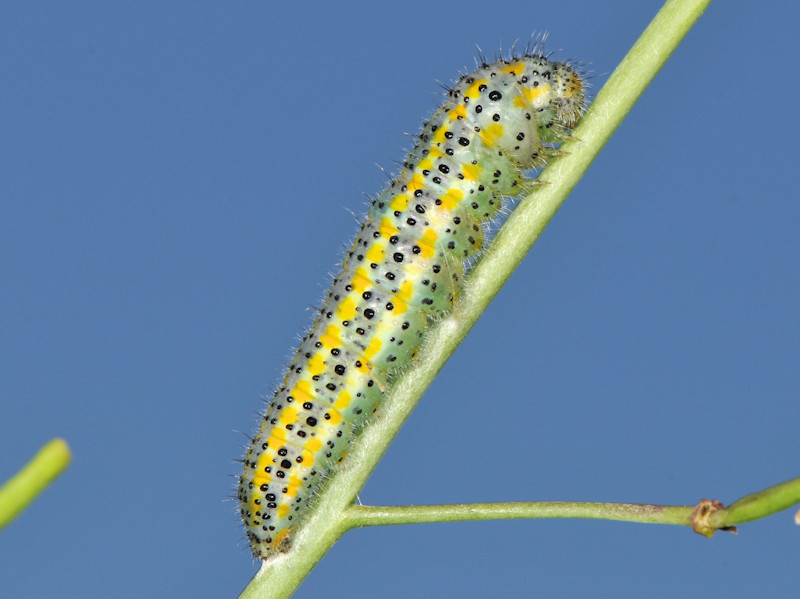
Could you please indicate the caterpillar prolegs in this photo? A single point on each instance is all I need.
(404, 269)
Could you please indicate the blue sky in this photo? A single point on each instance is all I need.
(177, 182)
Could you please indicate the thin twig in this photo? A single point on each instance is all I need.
(21, 489)
(705, 517)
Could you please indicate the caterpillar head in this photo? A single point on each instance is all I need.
(570, 94)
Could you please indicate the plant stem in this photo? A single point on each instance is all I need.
(760, 504)
(364, 515)
(280, 576)
(21, 489)
(751, 507)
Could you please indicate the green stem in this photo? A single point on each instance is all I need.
(280, 576)
(20, 490)
(364, 515)
(757, 505)
(705, 517)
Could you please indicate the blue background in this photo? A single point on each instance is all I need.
(177, 182)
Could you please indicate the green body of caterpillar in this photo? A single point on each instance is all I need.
(404, 268)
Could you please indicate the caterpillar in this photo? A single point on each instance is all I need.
(403, 271)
